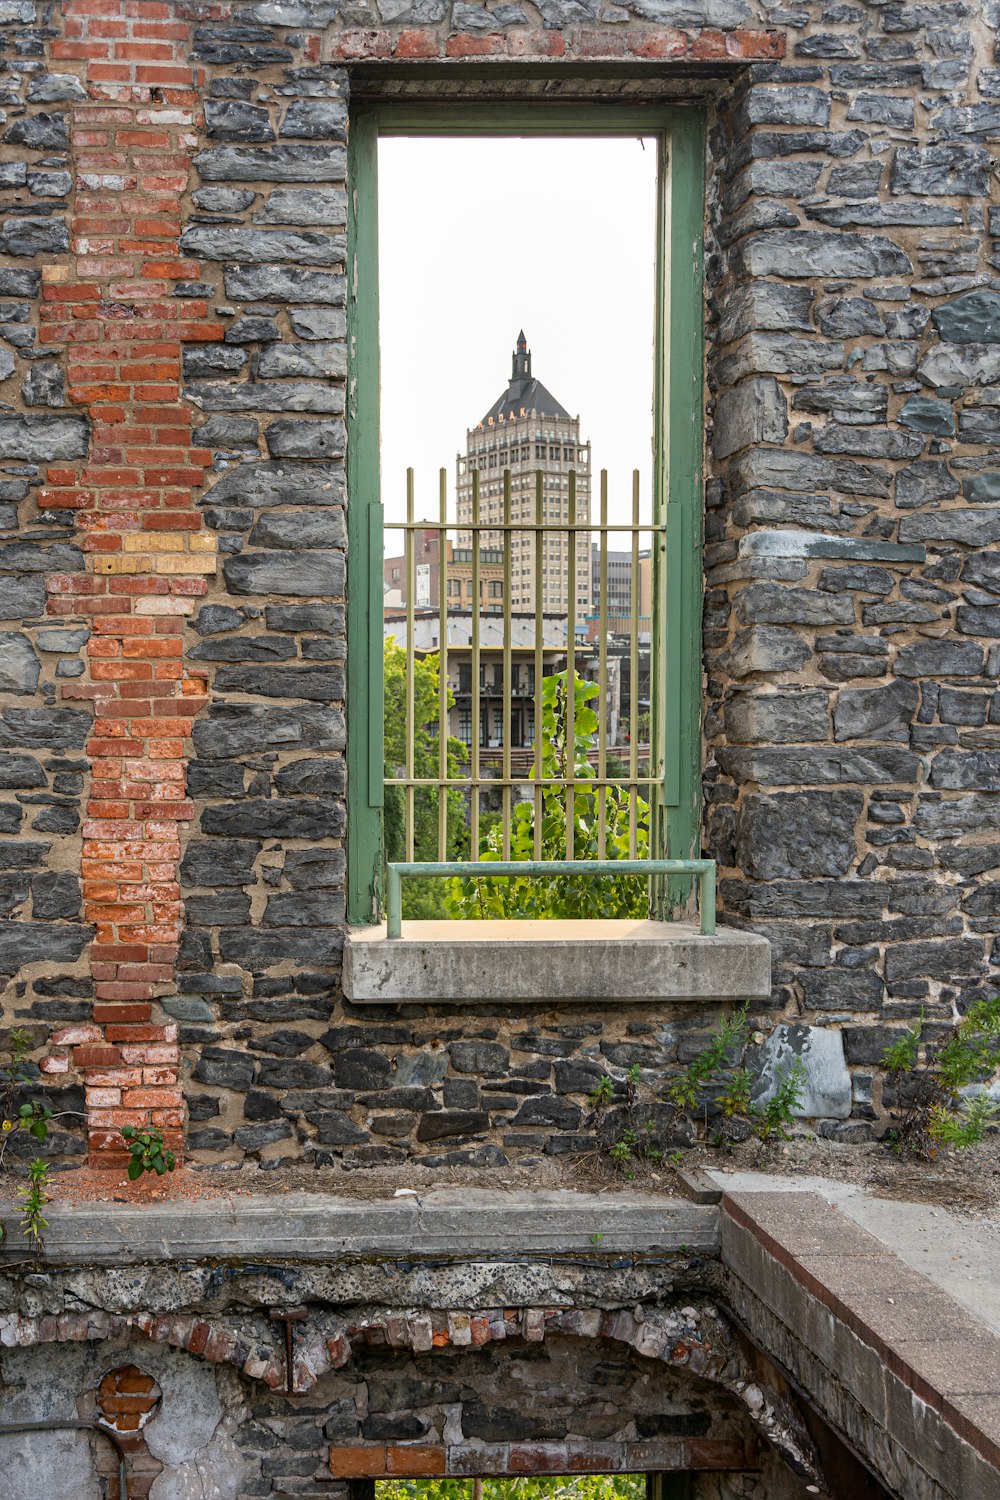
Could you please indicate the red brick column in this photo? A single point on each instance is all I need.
(147, 553)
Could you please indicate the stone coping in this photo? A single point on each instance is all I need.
(607, 962)
(933, 1382)
(443, 1225)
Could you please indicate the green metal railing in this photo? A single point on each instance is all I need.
(702, 869)
(547, 532)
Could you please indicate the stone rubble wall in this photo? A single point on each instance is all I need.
(172, 562)
(377, 1391)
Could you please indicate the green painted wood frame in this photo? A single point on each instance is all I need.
(678, 433)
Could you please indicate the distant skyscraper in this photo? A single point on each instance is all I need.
(524, 431)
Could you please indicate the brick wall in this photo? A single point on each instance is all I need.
(173, 357)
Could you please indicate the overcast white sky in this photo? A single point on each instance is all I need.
(481, 237)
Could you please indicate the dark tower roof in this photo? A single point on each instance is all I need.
(524, 391)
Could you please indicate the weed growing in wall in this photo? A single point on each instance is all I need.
(710, 1098)
(928, 1075)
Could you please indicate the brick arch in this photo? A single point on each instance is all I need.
(695, 1340)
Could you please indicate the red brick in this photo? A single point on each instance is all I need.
(358, 1462)
(417, 44)
(414, 1460)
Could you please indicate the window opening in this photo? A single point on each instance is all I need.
(547, 598)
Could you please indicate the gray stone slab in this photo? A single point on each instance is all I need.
(611, 962)
(458, 1226)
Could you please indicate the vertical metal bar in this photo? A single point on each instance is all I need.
(571, 673)
(411, 578)
(474, 747)
(365, 750)
(507, 706)
(633, 705)
(393, 902)
(443, 664)
(602, 671)
(539, 657)
(706, 898)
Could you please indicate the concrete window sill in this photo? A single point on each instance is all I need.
(616, 963)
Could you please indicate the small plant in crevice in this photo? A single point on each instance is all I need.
(928, 1073)
(145, 1148)
(33, 1200)
(20, 1116)
(710, 1096)
(633, 1143)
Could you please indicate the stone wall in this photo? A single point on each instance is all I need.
(172, 568)
(447, 1383)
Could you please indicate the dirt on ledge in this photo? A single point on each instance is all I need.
(966, 1181)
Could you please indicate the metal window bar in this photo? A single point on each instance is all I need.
(515, 773)
(703, 871)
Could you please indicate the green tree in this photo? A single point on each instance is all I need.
(561, 1487)
(562, 895)
(421, 898)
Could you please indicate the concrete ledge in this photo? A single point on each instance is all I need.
(883, 1353)
(451, 1226)
(618, 963)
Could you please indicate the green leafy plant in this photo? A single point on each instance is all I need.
(604, 1091)
(519, 1487)
(145, 1147)
(777, 1116)
(33, 1200)
(25, 1116)
(928, 1073)
(421, 898)
(685, 1091)
(563, 752)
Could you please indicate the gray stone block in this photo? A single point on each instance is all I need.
(798, 834)
(765, 305)
(973, 318)
(235, 120)
(782, 717)
(882, 713)
(21, 598)
(316, 119)
(19, 666)
(286, 395)
(37, 236)
(262, 485)
(44, 384)
(222, 200)
(43, 439)
(300, 530)
(272, 164)
(248, 728)
(317, 205)
(240, 243)
(312, 359)
(310, 574)
(787, 766)
(808, 253)
(826, 1092)
(774, 604)
(752, 412)
(55, 88)
(290, 439)
(765, 648)
(284, 284)
(941, 171)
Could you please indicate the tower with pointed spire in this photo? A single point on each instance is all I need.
(527, 430)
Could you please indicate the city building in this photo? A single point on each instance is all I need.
(618, 605)
(525, 431)
(458, 575)
(521, 642)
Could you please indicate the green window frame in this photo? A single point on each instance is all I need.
(678, 436)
